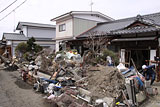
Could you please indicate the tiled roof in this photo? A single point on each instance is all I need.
(134, 39)
(14, 36)
(153, 20)
(138, 29)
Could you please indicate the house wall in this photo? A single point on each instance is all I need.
(82, 25)
(69, 29)
(25, 32)
(75, 25)
(39, 32)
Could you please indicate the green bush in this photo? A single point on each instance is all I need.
(32, 47)
(38, 48)
(60, 52)
(113, 55)
(21, 47)
(26, 56)
(28, 49)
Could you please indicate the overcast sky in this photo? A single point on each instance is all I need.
(41, 11)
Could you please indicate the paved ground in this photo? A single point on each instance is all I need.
(16, 93)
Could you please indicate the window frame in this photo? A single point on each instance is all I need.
(62, 27)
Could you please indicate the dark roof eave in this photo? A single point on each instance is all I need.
(112, 34)
(134, 39)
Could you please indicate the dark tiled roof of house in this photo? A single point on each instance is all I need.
(119, 26)
(138, 29)
(14, 36)
(134, 39)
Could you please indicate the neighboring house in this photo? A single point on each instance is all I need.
(2, 47)
(43, 34)
(72, 24)
(12, 40)
(135, 37)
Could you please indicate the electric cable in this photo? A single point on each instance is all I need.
(13, 10)
(8, 6)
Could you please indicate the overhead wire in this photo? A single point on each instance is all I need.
(8, 6)
(13, 10)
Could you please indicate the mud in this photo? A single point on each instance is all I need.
(107, 82)
(23, 85)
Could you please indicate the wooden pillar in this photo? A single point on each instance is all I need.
(158, 55)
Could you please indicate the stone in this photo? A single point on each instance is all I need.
(147, 83)
(140, 97)
(149, 91)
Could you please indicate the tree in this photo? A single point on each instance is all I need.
(28, 49)
(32, 47)
(97, 44)
(31, 44)
(96, 41)
(22, 47)
(37, 48)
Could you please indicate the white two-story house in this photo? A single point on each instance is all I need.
(43, 34)
(74, 23)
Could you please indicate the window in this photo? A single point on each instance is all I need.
(62, 27)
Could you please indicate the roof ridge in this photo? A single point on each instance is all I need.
(36, 23)
(84, 12)
(130, 18)
(13, 33)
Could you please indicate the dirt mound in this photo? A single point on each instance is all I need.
(105, 83)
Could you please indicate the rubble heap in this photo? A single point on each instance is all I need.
(75, 82)
(105, 83)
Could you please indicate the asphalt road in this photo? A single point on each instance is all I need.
(16, 93)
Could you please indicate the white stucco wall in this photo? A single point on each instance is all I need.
(57, 46)
(24, 29)
(69, 29)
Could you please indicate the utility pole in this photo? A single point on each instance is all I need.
(14, 18)
(91, 4)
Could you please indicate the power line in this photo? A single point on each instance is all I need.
(13, 10)
(8, 6)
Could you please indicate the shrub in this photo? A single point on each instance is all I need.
(21, 47)
(113, 55)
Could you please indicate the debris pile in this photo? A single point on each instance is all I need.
(106, 83)
(75, 82)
